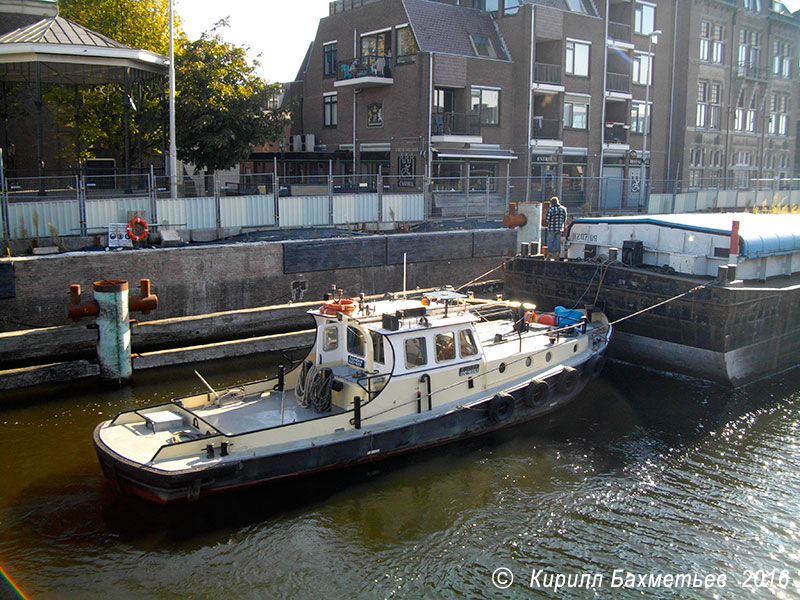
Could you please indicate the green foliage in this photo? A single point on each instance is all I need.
(222, 106)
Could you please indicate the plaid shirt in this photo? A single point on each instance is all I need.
(556, 216)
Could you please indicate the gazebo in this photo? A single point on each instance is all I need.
(56, 50)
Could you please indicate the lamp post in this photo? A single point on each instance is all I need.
(173, 158)
(651, 39)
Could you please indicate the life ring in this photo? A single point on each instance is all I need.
(595, 365)
(343, 305)
(530, 317)
(501, 407)
(137, 229)
(567, 380)
(536, 393)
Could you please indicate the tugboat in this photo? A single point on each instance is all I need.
(382, 378)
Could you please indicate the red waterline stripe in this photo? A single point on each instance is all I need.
(12, 584)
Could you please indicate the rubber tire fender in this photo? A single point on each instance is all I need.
(567, 380)
(595, 365)
(536, 393)
(501, 407)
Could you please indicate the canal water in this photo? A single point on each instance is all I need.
(668, 487)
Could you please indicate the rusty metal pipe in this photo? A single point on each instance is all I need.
(512, 219)
(77, 310)
(145, 301)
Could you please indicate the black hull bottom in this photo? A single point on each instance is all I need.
(486, 417)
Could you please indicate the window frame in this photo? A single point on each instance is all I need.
(330, 110)
(329, 66)
(574, 58)
(486, 117)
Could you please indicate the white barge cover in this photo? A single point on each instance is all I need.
(760, 235)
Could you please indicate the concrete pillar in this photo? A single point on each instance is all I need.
(114, 339)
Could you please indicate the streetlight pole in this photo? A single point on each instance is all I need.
(651, 39)
(173, 158)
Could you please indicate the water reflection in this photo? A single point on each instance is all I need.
(644, 472)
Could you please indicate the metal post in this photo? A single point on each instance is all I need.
(80, 188)
(173, 158)
(217, 200)
(4, 199)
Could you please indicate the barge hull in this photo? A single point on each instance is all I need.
(731, 335)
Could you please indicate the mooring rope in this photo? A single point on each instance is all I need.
(667, 301)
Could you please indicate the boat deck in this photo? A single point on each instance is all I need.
(262, 412)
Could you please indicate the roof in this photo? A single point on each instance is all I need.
(759, 234)
(445, 28)
(71, 53)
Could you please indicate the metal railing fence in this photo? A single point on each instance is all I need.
(72, 206)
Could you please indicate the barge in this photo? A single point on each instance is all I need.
(729, 286)
(382, 378)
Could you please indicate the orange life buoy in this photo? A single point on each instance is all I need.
(137, 229)
(343, 305)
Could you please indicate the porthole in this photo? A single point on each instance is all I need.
(575, 348)
(502, 367)
(528, 361)
(548, 356)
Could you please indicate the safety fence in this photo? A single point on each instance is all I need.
(85, 206)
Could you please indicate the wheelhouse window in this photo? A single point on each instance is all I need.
(445, 344)
(486, 103)
(330, 338)
(482, 45)
(378, 352)
(466, 344)
(577, 59)
(416, 352)
(330, 103)
(329, 58)
(355, 341)
(406, 45)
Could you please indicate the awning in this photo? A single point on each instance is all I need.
(482, 153)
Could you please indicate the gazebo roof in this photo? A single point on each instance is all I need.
(69, 53)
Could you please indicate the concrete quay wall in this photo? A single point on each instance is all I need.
(197, 280)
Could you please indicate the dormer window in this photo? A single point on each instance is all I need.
(482, 45)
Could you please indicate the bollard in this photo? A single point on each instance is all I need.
(111, 307)
(114, 339)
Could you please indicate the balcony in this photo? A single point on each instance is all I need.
(745, 71)
(616, 133)
(546, 129)
(548, 75)
(619, 32)
(618, 82)
(364, 72)
(453, 126)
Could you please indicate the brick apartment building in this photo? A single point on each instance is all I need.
(535, 97)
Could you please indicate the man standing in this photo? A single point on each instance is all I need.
(555, 218)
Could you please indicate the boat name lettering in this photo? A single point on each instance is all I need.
(356, 362)
(585, 237)
(468, 370)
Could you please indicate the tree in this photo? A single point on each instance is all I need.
(222, 106)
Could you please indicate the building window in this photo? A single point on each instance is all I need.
(577, 60)
(481, 173)
(482, 46)
(749, 50)
(511, 7)
(329, 59)
(644, 20)
(406, 45)
(376, 44)
(778, 114)
(701, 119)
(705, 40)
(752, 5)
(330, 110)
(486, 103)
(642, 68)
(638, 117)
(781, 58)
(576, 115)
(717, 45)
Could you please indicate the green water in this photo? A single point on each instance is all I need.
(644, 474)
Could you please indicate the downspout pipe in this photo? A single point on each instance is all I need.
(603, 118)
(528, 153)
